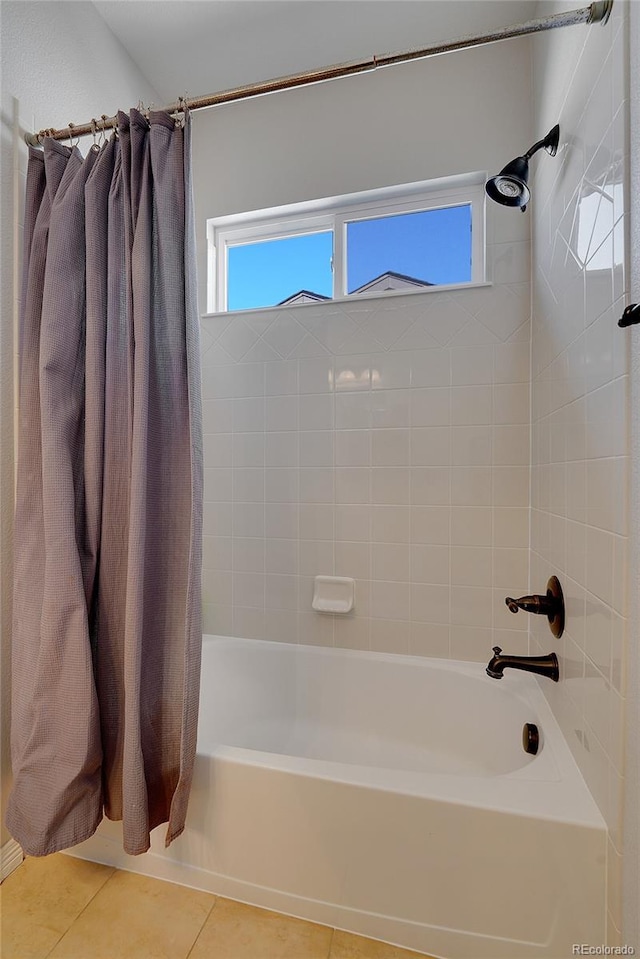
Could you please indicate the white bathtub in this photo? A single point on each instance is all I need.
(387, 795)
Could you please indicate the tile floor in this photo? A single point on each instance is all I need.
(67, 908)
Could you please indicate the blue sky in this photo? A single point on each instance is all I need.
(262, 274)
(433, 246)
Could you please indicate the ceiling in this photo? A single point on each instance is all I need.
(196, 47)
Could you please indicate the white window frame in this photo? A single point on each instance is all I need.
(334, 213)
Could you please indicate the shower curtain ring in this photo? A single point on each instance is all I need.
(94, 133)
(104, 119)
(183, 108)
(71, 134)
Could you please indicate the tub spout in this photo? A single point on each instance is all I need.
(542, 665)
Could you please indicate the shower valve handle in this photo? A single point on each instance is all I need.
(532, 604)
(551, 605)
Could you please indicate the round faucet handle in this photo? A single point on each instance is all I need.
(497, 650)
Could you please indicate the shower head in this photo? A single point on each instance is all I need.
(509, 187)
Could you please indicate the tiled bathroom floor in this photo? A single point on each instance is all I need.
(67, 908)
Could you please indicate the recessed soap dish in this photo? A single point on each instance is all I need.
(334, 594)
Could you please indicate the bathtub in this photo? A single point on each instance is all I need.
(389, 796)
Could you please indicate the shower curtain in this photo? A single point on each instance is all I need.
(107, 625)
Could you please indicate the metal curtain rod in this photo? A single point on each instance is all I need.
(597, 12)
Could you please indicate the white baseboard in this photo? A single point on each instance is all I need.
(12, 856)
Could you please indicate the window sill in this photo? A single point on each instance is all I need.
(358, 298)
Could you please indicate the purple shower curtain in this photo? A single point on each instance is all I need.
(108, 532)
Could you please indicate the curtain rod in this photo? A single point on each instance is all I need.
(597, 12)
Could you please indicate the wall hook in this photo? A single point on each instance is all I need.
(630, 316)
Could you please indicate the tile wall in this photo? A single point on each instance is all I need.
(580, 421)
(383, 439)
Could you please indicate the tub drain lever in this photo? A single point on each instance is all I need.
(530, 738)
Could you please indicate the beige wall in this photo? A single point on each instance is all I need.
(580, 399)
(59, 63)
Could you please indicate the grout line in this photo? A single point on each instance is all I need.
(86, 905)
(333, 932)
(204, 923)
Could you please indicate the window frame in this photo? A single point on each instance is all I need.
(333, 214)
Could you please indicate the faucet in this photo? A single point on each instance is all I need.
(542, 665)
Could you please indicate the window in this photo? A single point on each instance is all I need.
(402, 239)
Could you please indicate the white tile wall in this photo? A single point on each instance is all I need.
(405, 467)
(580, 408)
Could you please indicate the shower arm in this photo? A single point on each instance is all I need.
(534, 149)
(597, 12)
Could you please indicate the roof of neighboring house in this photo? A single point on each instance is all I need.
(391, 281)
(304, 296)
(386, 281)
